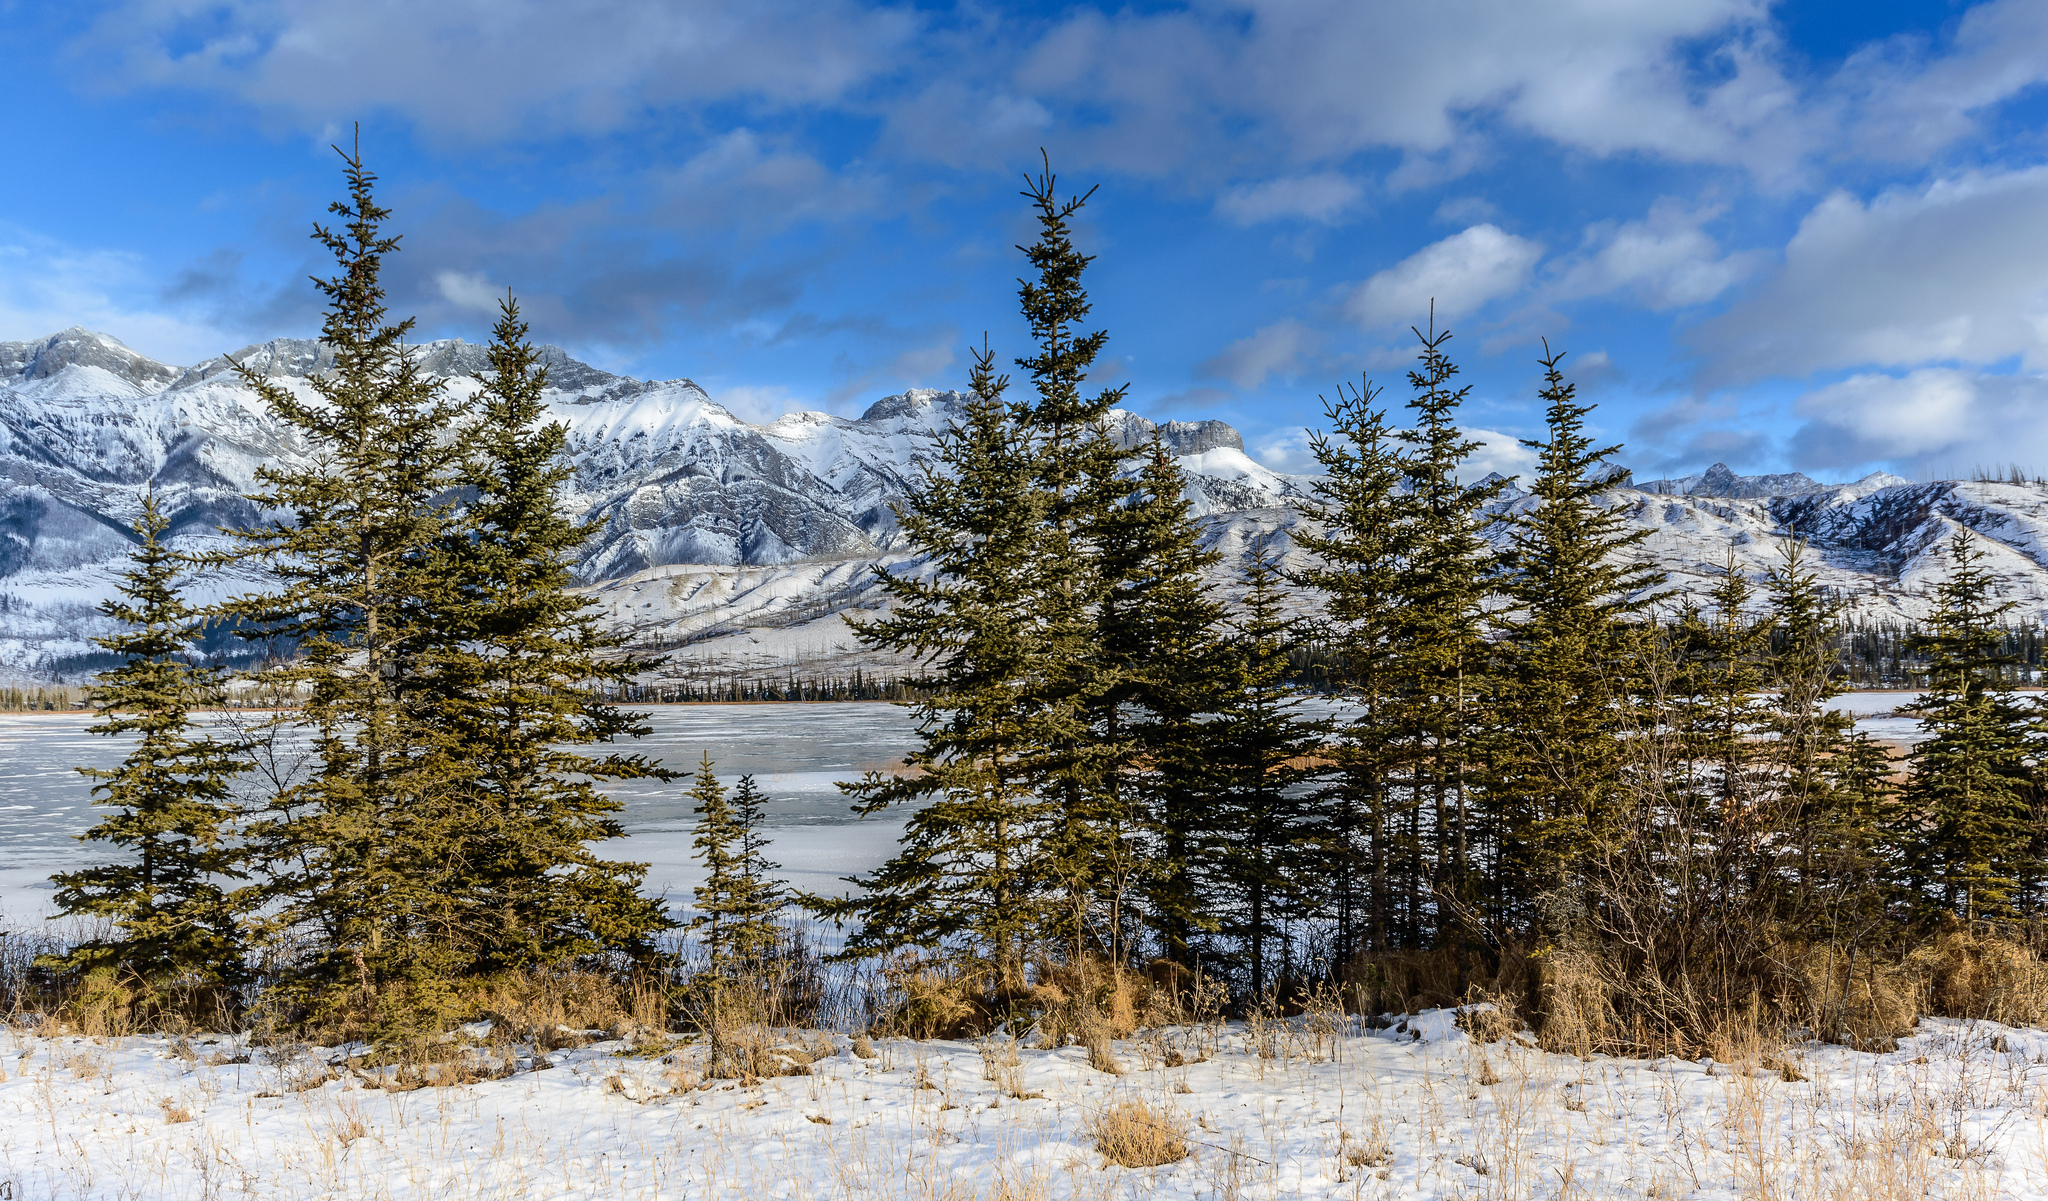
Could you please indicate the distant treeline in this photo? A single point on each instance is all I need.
(1895, 654)
(18, 698)
(855, 687)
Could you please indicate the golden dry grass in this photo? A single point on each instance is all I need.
(1132, 1134)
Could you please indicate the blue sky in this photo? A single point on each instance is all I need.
(1809, 235)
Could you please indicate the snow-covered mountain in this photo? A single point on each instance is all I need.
(739, 545)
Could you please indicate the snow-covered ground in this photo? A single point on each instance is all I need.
(1418, 1110)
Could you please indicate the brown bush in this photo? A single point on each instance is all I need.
(1132, 1134)
(1973, 975)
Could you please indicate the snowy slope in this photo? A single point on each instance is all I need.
(711, 527)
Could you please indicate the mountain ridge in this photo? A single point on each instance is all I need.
(740, 543)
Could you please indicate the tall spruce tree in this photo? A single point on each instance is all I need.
(1967, 832)
(1567, 674)
(1357, 546)
(362, 852)
(1446, 576)
(174, 945)
(513, 684)
(1162, 638)
(967, 875)
(1075, 755)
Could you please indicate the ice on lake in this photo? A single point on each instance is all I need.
(796, 752)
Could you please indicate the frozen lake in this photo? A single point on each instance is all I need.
(797, 753)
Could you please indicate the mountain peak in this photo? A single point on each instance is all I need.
(42, 358)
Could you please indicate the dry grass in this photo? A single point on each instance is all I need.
(175, 1113)
(1132, 1134)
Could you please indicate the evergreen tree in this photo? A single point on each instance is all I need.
(738, 903)
(1836, 781)
(1565, 640)
(1162, 632)
(174, 946)
(967, 874)
(1357, 546)
(513, 682)
(1075, 754)
(1445, 579)
(1967, 835)
(364, 852)
(1259, 745)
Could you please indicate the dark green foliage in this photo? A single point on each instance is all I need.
(1260, 750)
(966, 872)
(1966, 829)
(174, 947)
(1358, 548)
(1567, 674)
(365, 852)
(738, 904)
(512, 683)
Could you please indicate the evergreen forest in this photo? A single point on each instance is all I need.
(1528, 772)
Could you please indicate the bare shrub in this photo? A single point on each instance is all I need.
(1487, 1022)
(1132, 1134)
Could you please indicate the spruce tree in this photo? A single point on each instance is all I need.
(967, 875)
(1835, 781)
(1258, 748)
(367, 852)
(1074, 756)
(513, 683)
(1357, 544)
(738, 903)
(1557, 783)
(1163, 634)
(1446, 577)
(1967, 833)
(174, 946)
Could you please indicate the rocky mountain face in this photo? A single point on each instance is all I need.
(741, 546)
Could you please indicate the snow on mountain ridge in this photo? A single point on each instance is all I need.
(748, 540)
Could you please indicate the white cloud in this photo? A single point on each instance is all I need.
(1665, 261)
(1276, 349)
(1902, 100)
(1286, 450)
(761, 403)
(469, 290)
(1938, 419)
(504, 68)
(1325, 197)
(46, 286)
(1954, 271)
(1499, 452)
(1461, 273)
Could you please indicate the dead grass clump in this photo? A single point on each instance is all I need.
(174, 1113)
(930, 999)
(1972, 975)
(1577, 1008)
(1132, 1134)
(1089, 1002)
(1404, 981)
(1487, 1022)
(864, 1047)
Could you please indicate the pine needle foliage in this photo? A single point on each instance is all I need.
(1567, 673)
(966, 875)
(174, 945)
(739, 903)
(1356, 546)
(1967, 825)
(363, 852)
(1262, 751)
(513, 687)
